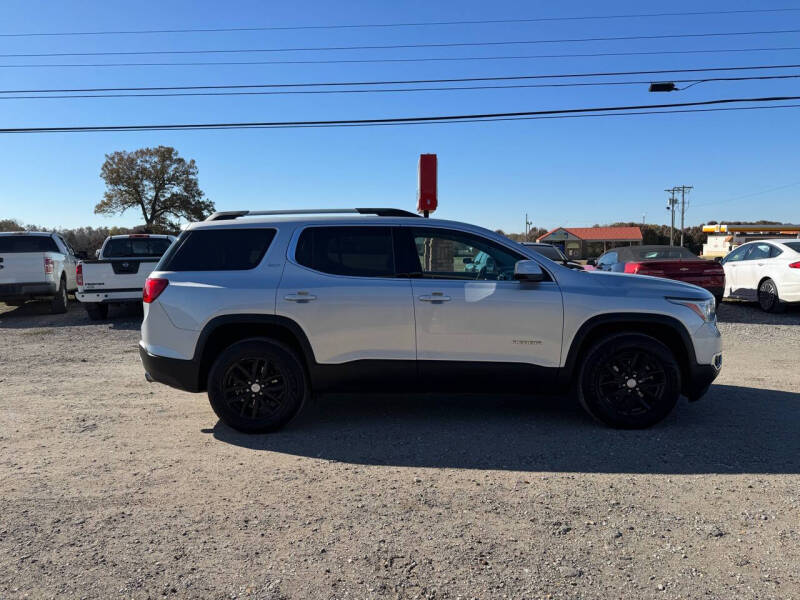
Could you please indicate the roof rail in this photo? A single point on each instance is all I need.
(228, 215)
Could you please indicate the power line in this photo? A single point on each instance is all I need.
(417, 24)
(750, 195)
(396, 60)
(403, 46)
(395, 120)
(383, 90)
(405, 81)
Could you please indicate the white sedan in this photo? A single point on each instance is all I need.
(766, 270)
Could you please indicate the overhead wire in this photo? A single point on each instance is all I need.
(396, 60)
(401, 46)
(407, 81)
(387, 90)
(656, 108)
(403, 24)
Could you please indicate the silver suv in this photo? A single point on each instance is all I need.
(261, 309)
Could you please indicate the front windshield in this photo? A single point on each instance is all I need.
(550, 252)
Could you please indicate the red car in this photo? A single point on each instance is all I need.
(671, 262)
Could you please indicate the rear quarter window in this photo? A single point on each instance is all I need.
(218, 250)
(10, 244)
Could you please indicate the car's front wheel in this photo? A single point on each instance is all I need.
(629, 381)
(257, 386)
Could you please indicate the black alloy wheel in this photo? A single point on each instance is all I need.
(256, 386)
(629, 381)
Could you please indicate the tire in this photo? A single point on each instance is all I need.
(239, 380)
(60, 302)
(610, 383)
(768, 298)
(718, 299)
(97, 311)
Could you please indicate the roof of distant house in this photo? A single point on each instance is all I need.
(607, 234)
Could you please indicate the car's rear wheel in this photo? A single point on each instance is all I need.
(629, 381)
(60, 302)
(768, 298)
(96, 311)
(257, 386)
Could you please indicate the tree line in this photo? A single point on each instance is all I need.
(652, 234)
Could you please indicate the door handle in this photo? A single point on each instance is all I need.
(435, 297)
(300, 297)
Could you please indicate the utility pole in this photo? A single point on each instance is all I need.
(671, 207)
(683, 189)
(527, 227)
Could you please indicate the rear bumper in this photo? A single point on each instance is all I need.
(27, 290)
(111, 296)
(181, 374)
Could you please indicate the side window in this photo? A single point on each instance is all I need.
(354, 251)
(758, 252)
(217, 249)
(448, 254)
(61, 244)
(774, 251)
(608, 259)
(737, 254)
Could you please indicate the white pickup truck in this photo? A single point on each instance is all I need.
(36, 265)
(119, 273)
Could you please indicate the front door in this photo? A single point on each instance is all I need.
(470, 311)
(734, 267)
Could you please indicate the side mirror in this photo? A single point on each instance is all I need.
(718, 259)
(467, 260)
(592, 262)
(97, 253)
(528, 270)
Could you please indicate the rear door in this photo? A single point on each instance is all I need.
(750, 269)
(471, 325)
(70, 262)
(339, 284)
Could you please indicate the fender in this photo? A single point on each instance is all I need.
(635, 321)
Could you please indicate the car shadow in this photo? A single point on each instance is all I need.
(731, 430)
(37, 314)
(738, 311)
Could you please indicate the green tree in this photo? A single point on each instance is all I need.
(158, 182)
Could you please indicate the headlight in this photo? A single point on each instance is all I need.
(705, 309)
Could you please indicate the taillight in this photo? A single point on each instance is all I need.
(795, 265)
(153, 288)
(79, 273)
(632, 267)
(48, 266)
(643, 269)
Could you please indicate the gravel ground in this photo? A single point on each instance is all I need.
(112, 487)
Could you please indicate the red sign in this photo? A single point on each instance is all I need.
(426, 192)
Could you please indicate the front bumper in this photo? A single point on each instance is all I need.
(181, 374)
(701, 378)
(27, 290)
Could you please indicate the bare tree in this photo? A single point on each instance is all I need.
(157, 181)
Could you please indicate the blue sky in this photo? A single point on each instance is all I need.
(561, 172)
